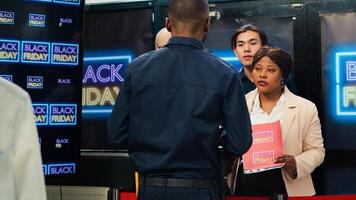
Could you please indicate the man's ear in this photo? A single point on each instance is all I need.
(168, 24)
(207, 24)
(265, 46)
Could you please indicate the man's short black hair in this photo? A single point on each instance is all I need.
(249, 27)
(278, 56)
(188, 11)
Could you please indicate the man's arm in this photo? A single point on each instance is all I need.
(236, 118)
(119, 120)
(27, 161)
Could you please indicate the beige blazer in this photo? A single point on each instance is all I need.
(301, 135)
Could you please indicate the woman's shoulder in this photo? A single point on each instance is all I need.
(300, 101)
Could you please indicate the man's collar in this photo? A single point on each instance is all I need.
(185, 41)
(242, 73)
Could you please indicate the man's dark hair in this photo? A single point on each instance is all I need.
(245, 28)
(188, 11)
(278, 56)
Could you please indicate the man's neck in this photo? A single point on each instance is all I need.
(248, 72)
(188, 35)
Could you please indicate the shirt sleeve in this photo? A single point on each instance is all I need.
(119, 120)
(27, 161)
(236, 120)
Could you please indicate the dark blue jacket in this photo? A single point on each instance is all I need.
(170, 107)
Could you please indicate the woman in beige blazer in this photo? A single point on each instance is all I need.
(301, 132)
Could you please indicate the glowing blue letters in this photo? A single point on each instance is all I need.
(63, 114)
(56, 115)
(6, 77)
(101, 81)
(39, 52)
(7, 17)
(70, 2)
(351, 70)
(41, 113)
(37, 20)
(35, 52)
(9, 50)
(65, 54)
(57, 169)
(35, 82)
(345, 83)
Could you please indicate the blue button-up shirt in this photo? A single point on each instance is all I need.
(170, 108)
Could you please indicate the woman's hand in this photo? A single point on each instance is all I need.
(290, 165)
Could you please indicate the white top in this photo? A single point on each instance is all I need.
(21, 176)
(258, 116)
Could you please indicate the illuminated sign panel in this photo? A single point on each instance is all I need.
(45, 60)
(65, 54)
(63, 21)
(35, 52)
(63, 114)
(41, 0)
(6, 77)
(351, 70)
(62, 141)
(102, 77)
(229, 57)
(37, 20)
(68, 2)
(64, 81)
(71, 2)
(7, 17)
(44, 169)
(346, 83)
(35, 82)
(9, 50)
(57, 169)
(41, 113)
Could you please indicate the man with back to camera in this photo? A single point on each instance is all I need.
(162, 38)
(170, 108)
(20, 158)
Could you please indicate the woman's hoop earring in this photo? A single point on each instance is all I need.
(282, 83)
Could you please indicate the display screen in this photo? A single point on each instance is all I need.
(40, 50)
(109, 47)
(339, 80)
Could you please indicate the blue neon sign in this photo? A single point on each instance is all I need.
(35, 52)
(58, 169)
(37, 20)
(345, 63)
(63, 114)
(9, 50)
(6, 77)
(41, 113)
(65, 54)
(102, 77)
